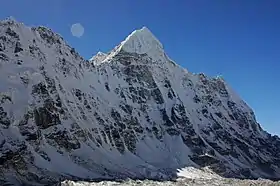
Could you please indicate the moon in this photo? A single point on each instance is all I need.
(77, 30)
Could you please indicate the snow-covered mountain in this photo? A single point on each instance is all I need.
(132, 112)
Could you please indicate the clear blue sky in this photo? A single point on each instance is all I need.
(239, 39)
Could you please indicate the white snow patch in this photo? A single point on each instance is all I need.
(194, 173)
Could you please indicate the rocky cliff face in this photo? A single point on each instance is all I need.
(129, 113)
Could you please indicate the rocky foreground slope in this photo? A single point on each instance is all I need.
(179, 182)
(130, 113)
(187, 177)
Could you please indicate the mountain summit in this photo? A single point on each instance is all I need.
(131, 113)
(139, 42)
(142, 41)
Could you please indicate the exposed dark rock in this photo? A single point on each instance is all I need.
(117, 140)
(4, 98)
(12, 33)
(4, 119)
(44, 118)
(166, 119)
(18, 47)
(130, 140)
(127, 108)
(3, 38)
(2, 47)
(29, 131)
(204, 160)
(196, 99)
(3, 57)
(107, 87)
(9, 157)
(219, 114)
(40, 89)
(48, 35)
(63, 140)
(156, 94)
(204, 112)
(173, 132)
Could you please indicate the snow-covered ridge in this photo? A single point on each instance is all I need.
(134, 115)
(141, 41)
(98, 58)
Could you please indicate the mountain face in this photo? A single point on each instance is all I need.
(130, 113)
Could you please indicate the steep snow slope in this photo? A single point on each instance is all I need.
(130, 113)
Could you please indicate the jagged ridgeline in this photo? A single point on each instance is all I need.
(129, 113)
